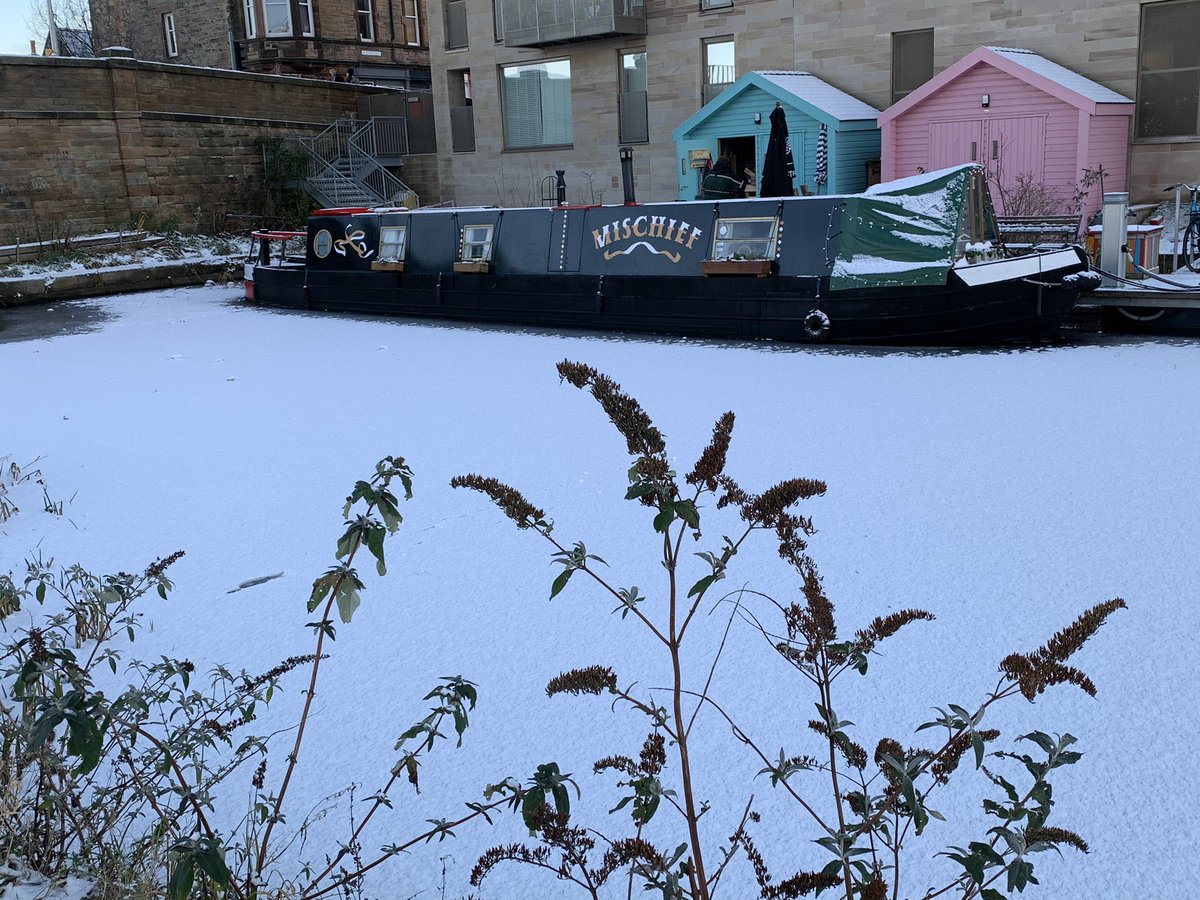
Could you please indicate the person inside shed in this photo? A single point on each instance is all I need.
(721, 184)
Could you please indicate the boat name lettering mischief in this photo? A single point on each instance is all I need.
(647, 227)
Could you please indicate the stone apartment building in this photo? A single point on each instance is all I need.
(384, 41)
(537, 85)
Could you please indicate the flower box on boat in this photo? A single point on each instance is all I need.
(757, 267)
(387, 265)
(475, 266)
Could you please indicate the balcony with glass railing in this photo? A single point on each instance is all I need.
(716, 79)
(536, 23)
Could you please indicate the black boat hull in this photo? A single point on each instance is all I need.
(754, 308)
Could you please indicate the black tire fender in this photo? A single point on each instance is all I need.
(817, 325)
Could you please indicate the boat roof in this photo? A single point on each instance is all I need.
(912, 185)
(427, 210)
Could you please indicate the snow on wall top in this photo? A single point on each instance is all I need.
(1060, 75)
(825, 96)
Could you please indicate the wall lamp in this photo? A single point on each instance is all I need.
(758, 118)
(985, 101)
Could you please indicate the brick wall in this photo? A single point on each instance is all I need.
(88, 144)
(845, 42)
(673, 45)
(421, 173)
(201, 32)
(848, 42)
(204, 31)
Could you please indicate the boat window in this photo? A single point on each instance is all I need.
(745, 238)
(392, 243)
(476, 242)
(322, 243)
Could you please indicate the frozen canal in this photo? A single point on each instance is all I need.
(1003, 490)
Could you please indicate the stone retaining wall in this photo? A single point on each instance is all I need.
(89, 143)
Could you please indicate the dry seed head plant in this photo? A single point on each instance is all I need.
(120, 787)
(863, 808)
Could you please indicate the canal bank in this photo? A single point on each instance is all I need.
(143, 276)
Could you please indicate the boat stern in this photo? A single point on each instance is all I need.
(274, 271)
(1066, 268)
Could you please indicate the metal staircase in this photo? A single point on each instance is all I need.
(345, 168)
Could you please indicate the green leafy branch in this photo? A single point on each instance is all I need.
(341, 585)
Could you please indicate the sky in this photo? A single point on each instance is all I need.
(14, 33)
(1004, 490)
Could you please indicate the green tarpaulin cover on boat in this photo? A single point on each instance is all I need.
(902, 232)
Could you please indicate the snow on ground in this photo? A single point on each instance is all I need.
(168, 250)
(1003, 490)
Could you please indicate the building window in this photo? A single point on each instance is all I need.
(307, 27)
(392, 243)
(719, 69)
(366, 22)
(462, 112)
(277, 16)
(536, 104)
(250, 19)
(456, 25)
(1168, 102)
(411, 18)
(634, 125)
(169, 34)
(715, 4)
(912, 61)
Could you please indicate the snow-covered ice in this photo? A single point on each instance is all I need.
(1003, 490)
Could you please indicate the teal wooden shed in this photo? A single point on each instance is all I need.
(736, 124)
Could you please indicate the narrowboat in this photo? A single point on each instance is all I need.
(916, 261)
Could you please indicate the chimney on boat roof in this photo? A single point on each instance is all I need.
(560, 187)
(627, 175)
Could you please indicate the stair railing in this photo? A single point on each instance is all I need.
(374, 138)
(344, 169)
(330, 179)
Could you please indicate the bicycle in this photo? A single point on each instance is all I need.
(1191, 235)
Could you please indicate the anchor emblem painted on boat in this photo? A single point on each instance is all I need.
(354, 240)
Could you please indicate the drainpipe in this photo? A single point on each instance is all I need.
(54, 48)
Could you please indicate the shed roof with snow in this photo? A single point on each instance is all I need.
(728, 121)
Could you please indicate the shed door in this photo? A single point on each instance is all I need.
(1016, 156)
(690, 169)
(955, 143)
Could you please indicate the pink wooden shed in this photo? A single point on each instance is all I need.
(1025, 118)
